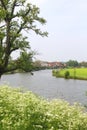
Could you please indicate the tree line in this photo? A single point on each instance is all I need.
(75, 63)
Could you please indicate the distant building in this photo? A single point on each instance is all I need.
(52, 64)
(44, 63)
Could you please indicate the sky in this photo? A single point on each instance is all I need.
(67, 28)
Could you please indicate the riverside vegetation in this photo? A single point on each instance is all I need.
(74, 73)
(26, 111)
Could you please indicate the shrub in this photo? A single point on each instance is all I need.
(67, 74)
(26, 111)
(55, 73)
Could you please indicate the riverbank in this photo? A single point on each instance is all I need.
(72, 73)
(26, 111)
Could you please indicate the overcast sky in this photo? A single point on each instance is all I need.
(67, 28)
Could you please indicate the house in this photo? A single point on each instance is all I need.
(52, 64)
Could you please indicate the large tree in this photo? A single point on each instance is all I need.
(16, 16)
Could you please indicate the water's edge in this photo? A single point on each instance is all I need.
(44, 84)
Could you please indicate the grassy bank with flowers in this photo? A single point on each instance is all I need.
(73, 73)
(26, 111)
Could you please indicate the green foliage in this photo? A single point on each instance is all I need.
(26, 111)
(17, 17)
(83, 64)
(67, 74)
(72, 63)
(55, 73)
(2, 13)
(25, 61)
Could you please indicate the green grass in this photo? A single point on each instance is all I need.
(77, 73)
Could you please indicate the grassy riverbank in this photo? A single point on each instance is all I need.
(26, 111)
(74, 73)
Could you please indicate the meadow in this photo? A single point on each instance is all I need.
(26, 111)
(75, 73)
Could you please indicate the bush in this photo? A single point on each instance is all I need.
(67, 74)
(55, 73)
(26, 111)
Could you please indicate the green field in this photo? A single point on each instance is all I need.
(76, 73)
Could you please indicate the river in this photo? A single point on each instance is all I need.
(44, 84)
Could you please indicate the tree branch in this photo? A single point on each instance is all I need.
(22, 25)
(2, 26)
(16, 48)
(13, 7)
(11, 69)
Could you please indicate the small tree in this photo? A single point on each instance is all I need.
(16, 16)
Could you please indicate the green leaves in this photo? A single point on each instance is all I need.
(2, 13)
(25, 61)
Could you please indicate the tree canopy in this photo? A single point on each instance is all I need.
(16, 16)
(72, 63)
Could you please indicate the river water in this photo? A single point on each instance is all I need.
(44, 84)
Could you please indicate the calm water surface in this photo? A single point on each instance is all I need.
(49, 87)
